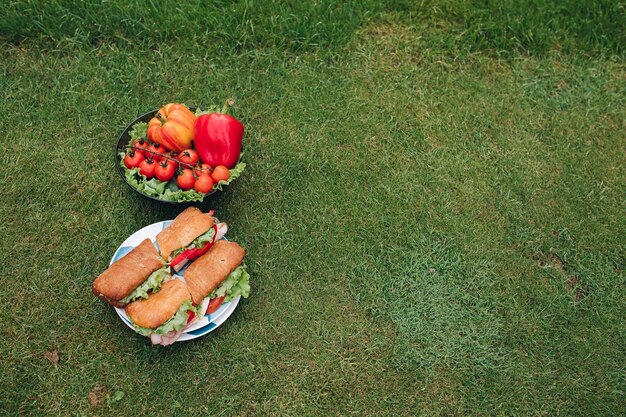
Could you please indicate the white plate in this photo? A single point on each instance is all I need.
(204, 325)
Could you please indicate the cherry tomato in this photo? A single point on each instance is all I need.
(156, 149)
(214, 304)
(192, 315)
(133, 159)
(174, 156)
(203, 184)
(220, 173)
(185, 179)
(165, 170)
(147, 168)
(188, 156)
(141, 145)
(202, 170)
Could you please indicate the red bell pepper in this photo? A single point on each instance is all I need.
(193, 253)
(217, 138)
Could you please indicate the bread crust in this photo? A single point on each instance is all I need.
(187, 226)
(208, 271)
(160, 306)
(127, 273)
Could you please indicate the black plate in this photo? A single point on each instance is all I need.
(125, 139)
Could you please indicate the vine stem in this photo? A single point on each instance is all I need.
(190, 166)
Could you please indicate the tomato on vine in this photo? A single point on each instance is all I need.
(156, 150)
(202, 170)
(141, 145)
(185, 179)
(188, 156)
(133, 159)
(220, 173)
(165, 170)
(203, 184)
(147, 168)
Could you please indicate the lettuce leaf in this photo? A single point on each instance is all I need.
(237, 284)
(177, 322)
(153, 282)
(212, 109)
(139, 131)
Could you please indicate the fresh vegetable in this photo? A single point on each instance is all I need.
(202, 169)
(155, 150)
(237, 284)
(217, 138)
(138, 132)
(154, 281)
(172, 127)
(133, 159)
(191, 253)
(203, 184)
(234, 174)
(188, 156)
(147, 168)
(220, 173)
(185, 179)
(214, 304)
(191, 314)
(141, 145)
(168, 190)
(174, 158)
(165, 170)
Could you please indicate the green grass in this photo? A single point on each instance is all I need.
(433, 213)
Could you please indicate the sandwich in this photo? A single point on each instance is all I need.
(132, 277)
(190, 235)
(164, 314)
(218, 276)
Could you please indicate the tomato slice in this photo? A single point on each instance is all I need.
(214, 304)
(191, 314)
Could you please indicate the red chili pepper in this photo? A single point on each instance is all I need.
(217, 138)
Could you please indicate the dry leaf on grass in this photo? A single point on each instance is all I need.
(97, 395)
(52, 356)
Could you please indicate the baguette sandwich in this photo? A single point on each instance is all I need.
(218, 276)
(132, 277)
(190, 235)
(164, 314)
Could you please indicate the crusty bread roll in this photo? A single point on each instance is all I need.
(187, 226)
(127, 273)
(159, 307)
(208, 271)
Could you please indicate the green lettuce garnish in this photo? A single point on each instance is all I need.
(153, 282)
(177, 322)
(237, 284)
(139, 131)
(212, 109)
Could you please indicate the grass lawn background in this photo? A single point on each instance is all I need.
(433, 207)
